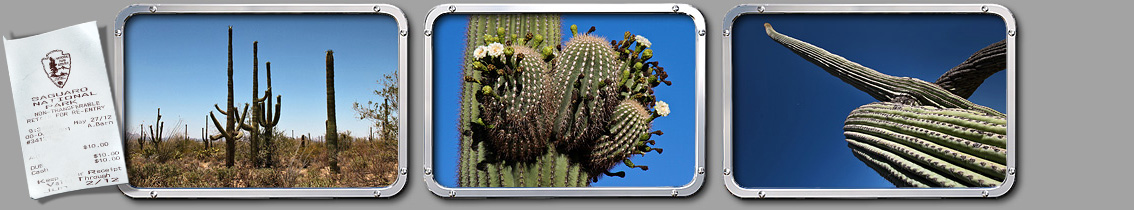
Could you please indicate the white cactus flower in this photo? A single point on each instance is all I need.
(480, 52)
(643, 41)
(662, 108)
(495, 49)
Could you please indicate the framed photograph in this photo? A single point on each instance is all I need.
(869, 101)
(564, 100)
(262, 101)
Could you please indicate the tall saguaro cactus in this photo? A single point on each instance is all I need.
(332, 135)
(253, 125)
(262, 122)
(230, 131)
(921, 134)
(269, 118)
(535, 113)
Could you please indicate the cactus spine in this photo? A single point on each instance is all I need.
(230, 131)
(332, 131)
(922, 134)
(538, 114)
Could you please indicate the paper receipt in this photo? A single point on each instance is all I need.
(65, 112)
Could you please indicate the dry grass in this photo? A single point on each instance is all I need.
(181, 163)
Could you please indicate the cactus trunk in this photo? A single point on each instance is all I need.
(332, 131)
(921, 134)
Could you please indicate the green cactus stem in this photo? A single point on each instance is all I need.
(535, 113)
(141, 137)
(332, 134)
(230, 131)
(921, 134)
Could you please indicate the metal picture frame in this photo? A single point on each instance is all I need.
(680, 191)
(774, 9)
(174, 9)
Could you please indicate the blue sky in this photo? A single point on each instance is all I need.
(788, 113)
(673, 39)
(179, 63)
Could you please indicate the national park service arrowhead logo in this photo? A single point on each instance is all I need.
(57, 66)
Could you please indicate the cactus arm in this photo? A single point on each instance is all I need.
(878, 85)
(964, 79)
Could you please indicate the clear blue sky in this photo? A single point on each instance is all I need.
(673, 39)
(788, 113)
(179, 63)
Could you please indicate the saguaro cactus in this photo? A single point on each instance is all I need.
(156, 134)
(922, 134)
(230, 131)
(253, 125)
(332, 135)
(262, 123)
(537, 114)
(269, 118)
(141, 137)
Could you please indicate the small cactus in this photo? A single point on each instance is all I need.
(921, 134)
(535, 113)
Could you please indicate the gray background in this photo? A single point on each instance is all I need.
(1073, 111)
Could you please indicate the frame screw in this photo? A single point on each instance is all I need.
(1011, 171)
(452, 193)
(727, 172)
(760, 9)
(984, 193)
(428, 171)
(984, 8)
(452, 8)
(761, 194)
(428, 32)
(403, 32)
(377, 193)
(726, 32)
(1011, 32)
(403, 171)
(701, 32)
(675, 8)
(673, 193)
(377, 8)
(153, 9)
(118, 32)
(700, 170)
(153, 194)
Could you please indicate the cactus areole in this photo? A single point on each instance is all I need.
(921, 134)
(536, 112)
